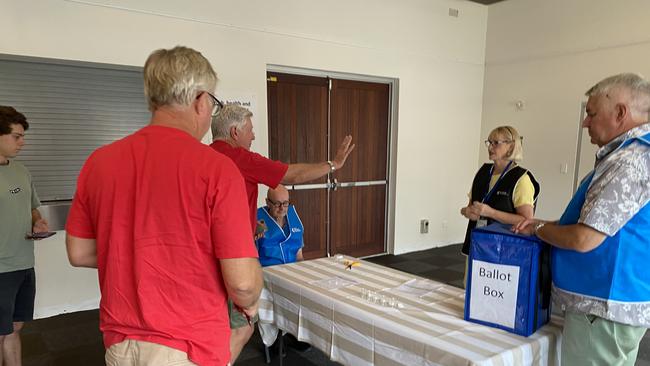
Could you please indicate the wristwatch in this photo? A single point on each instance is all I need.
(332, 167)
(539, 226)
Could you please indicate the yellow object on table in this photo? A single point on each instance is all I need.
(350, 263)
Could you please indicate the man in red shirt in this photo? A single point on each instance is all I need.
(232, 131)
(165, 221)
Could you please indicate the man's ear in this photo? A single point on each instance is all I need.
(198, 105)
(234, 133)
(622, 112)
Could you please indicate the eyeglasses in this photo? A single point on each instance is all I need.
(277, 204)
(217, 106)
(495, 143)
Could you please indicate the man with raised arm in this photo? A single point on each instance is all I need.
(232, 131)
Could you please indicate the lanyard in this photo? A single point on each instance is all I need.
(489, 194)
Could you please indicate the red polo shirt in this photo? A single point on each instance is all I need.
(256, 169)
(163, 209)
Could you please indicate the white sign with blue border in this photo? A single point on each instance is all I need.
(494, 292)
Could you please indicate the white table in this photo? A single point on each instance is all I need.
(321, 302)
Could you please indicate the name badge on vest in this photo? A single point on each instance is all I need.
(481, 222)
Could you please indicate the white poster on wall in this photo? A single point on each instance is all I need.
(245, 99)
(493, 297)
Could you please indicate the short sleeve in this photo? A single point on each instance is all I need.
(524, 193)
(615, 196)
(231, 232)
(263, 170)
(79, 223)
(36, 202)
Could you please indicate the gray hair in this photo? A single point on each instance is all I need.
(231, 115)
(635, 84)
(511, 134)
(176, 77)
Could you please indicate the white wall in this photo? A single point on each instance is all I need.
(548, 53)
(438, 59)
(61, 288)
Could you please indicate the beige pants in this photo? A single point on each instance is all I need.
(131, 352)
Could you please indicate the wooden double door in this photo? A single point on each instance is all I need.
(345, 212)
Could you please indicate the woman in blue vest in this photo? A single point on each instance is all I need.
(502, 191)
(282, 241)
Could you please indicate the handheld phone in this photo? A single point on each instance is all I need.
(37, 236)
(260, 228)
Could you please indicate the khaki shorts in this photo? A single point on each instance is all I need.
(131, 352)
(237, 319)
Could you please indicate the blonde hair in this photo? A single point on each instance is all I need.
(230, 115)
(516, 153)
(176, 77)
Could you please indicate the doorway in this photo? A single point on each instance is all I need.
(346, 212)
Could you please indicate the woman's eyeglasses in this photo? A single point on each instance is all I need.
(496, 143)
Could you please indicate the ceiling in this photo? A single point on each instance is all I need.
(486, 2)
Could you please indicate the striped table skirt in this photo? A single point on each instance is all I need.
(369, 314)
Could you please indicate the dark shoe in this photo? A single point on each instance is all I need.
(291, 341)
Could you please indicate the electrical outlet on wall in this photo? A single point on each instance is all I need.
(564, 168)
(424, 226)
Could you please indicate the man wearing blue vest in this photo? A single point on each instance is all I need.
(282, 241)
(602, 241)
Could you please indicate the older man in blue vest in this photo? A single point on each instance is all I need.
(282, 241)
(601, 244)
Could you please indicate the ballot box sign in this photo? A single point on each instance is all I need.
(508, 281)
(493, 296)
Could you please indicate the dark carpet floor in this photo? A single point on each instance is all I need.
(74, 339)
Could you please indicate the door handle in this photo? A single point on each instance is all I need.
(335, 184)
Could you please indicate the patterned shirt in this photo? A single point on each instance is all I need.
(621, 183)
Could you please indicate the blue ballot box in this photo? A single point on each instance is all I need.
(508, 280)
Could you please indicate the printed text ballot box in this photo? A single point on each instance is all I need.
(504, 288)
